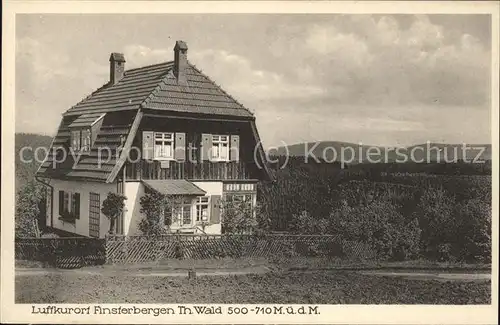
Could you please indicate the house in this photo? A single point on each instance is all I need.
(165, 127)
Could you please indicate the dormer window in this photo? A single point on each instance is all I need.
(84, 130)
(81, 140)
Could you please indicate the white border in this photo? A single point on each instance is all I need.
(331, 314)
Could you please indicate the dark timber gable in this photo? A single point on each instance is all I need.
(138, 96)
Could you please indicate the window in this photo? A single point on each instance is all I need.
(85, 140)
(75, 140)
(220, 147)
(81, 140)
(238, 198)
(202, 209)
(181, 212)
(234, 187)
(69, 205)
(164, 145)
(94, 214)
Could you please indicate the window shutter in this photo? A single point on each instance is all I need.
(147, 145)
(234, 151)
(180, 146)
(206, 146)
(76, 198)
(61, 203)
(215, 202)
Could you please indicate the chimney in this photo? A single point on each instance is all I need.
(180, 62)
(116, 67)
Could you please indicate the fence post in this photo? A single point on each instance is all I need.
(107, 258)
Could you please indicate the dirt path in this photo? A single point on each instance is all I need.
(433, 275)
(155, 272)
(260, 269)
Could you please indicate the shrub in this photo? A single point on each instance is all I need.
(473, 230)
(238, 218)
(29, 199)
(455, 230)
(435, 216)
(153, 206)
(305, 223)
(381, 226)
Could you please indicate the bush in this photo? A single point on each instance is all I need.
(473, 230)
(238, 218)
(455, 230)
(153, 206)
(381, 226)
(435, 216)
(304, 223)
(29, 199)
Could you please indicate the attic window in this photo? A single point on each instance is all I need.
(81, 140)
(84, 130)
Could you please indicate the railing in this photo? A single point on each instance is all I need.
(145, 169)
(137, 249)
(78, 252)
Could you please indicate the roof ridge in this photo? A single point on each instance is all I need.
(220, 88)
(148, 66)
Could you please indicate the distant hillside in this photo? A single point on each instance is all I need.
(25, 163)
(330, 151)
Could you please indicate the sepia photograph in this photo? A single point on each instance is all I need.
(289, 160)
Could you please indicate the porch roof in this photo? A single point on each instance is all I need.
(173, 187)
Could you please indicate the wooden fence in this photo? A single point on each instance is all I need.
(78, 252)
(139, 249)
(67, 252)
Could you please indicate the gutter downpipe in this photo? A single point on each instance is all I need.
(51, 200)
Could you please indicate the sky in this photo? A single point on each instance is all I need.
(371, 79)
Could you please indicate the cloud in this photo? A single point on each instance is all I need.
(342, 77)
(236, 74)
(138, 55)
(49, 81)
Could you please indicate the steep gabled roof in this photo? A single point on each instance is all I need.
(120, 105)
(155, 87)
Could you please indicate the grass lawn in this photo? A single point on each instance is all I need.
(312, 287)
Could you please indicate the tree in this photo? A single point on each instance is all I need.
(473, 230)
(436, 219)
(112, 207)
(29, 198)
(153, 206)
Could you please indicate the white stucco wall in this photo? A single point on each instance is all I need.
(133, 191)
(81, 226)
(212, 188)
